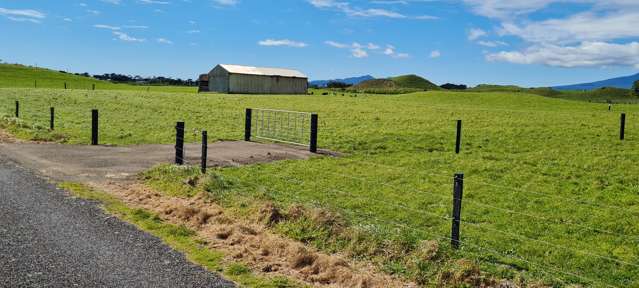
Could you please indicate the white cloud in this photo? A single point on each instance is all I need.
(435, 54)
(154, 2)
(476, 33)
(336, 44)
(390, 50)
(22, 15)
(67, 19)
(580, 27)
(359, 53)
(372, 46)
(126, 37)
(587, 54)
(164, 41)
(492, 44)
(603, 35)
(346, 8)
(108, 27)
(282, 42)
(195, 31)
(136, 27)
(226, 2)
(114, 2)
(94, 12)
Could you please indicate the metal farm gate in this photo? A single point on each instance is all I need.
(292, 127)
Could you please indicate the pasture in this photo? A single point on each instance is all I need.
(551, 194)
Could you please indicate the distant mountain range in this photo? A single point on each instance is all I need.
(620, 82)
(351, 81)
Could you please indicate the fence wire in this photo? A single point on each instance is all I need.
(282, 126)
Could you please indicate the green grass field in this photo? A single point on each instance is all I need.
(30, 77)
(551, 193)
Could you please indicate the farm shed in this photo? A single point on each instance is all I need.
(255, 80)
(203, 83)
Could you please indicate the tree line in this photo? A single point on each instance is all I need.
(128, 79)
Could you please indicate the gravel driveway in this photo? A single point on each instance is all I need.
(48, 239)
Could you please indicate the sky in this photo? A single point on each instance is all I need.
(530, 43)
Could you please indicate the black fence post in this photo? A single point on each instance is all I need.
(179, 143)
(622, 132)
(458, 139)
(458, 191)
(93, 86)
(65, 85)
(35, 83)
(205, 147)
(247, 124)
(17, 109)
(313, 144)
(52, 118)
(94, 127)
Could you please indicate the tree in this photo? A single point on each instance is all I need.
(336, 84)
(635, 88)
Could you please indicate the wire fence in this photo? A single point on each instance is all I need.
(282, 126)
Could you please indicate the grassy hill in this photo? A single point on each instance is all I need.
(602, 95)
(395, 85)
(20, 76)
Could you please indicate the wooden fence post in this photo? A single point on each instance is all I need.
(17, 109)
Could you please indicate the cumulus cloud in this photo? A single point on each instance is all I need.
(154, 2)
(23, 15)
(363, 50)
(347, 9)
(226, 2)
(604, 35)
(126, 37)
(164, 41)
(282, 42)
(435, 54)
(476, 33)
(108, 27)
(587, 54)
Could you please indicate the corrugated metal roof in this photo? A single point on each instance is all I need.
(238, 69)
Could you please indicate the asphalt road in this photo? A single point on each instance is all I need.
(48, 239)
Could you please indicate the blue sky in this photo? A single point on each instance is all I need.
(523, 42)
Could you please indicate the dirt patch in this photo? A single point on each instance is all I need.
(84, 163)
(8, 138)
(251, 243)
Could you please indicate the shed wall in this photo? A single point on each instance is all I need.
(219, 80)
(259, 84)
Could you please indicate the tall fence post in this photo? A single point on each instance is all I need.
(247, 124)
(458, 191)
(94, 127)
(458, 139)
(313, 144)
(93, 86)
(51, 118)
(17, 109)
(179, 143)
(622, 132)
(205, 144)
(65, 85)
(35, 83)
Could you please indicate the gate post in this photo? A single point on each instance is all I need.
(247, 124)
(204, 151)
(313, 144)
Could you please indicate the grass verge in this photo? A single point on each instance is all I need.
(179, 238)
